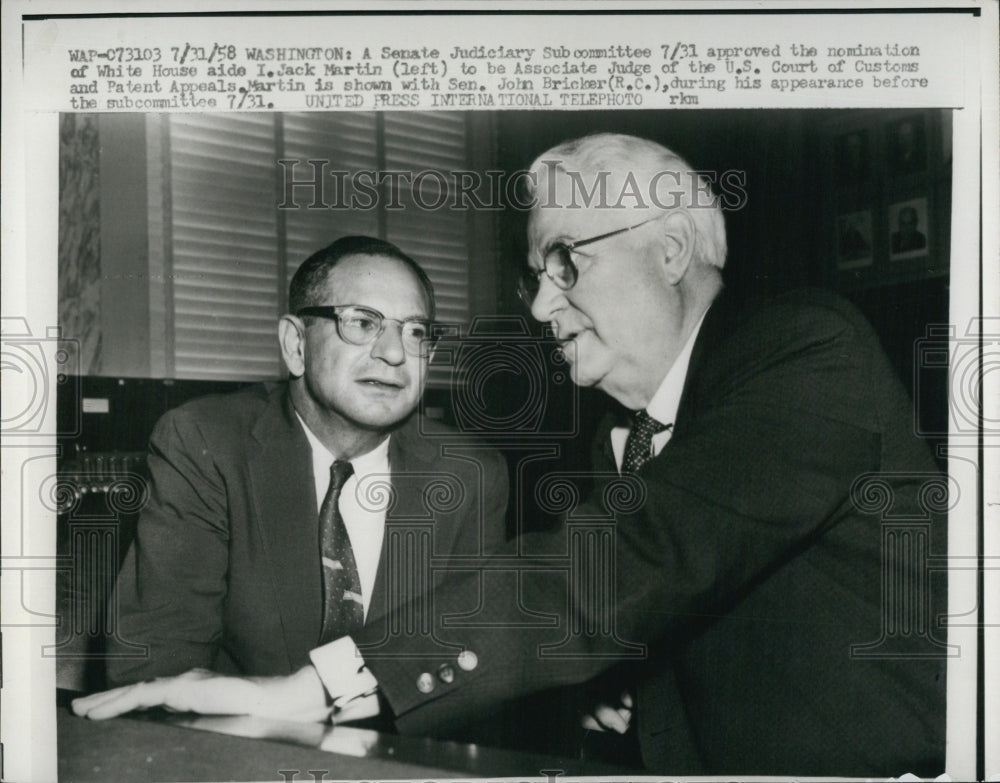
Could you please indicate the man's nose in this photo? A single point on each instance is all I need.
(388, 346)
(548, 301)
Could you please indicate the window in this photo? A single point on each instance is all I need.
(222, 252)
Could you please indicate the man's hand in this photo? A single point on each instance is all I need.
(357, 708)
(608, 717)
(299, 696)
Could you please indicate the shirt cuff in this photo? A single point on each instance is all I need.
(342, 670)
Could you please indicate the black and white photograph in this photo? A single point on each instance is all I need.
(854, 240)
(907, 141)
(474, 415)
(230, 480)
(908, 229)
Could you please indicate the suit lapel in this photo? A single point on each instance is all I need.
(603, 457)
(284, 493)
(713, 329)
(410, 462)
(284, 496)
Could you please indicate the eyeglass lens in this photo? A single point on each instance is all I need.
(361, 327)
(559, 268)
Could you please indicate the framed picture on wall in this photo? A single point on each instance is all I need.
(854, 239)
(908, 229)
(853, 157)
(887, 197)
(907, 143)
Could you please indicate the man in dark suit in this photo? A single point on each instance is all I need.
(226, 573)
(753, 569)
(747, 555)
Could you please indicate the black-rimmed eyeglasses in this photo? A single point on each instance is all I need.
(359, 325)
(559, 266)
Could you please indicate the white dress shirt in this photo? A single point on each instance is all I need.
(667, 398)
(362, 504)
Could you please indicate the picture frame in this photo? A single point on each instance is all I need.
(854, 240)
(908, 229)
(907, 146)
(886, 182)
(853, 157)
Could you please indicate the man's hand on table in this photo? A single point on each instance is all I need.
(299, 696)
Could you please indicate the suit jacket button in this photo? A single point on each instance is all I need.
(425, 683)
(446, 673)
(467, 660)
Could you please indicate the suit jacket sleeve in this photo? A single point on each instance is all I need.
(171, 587)
(479, 528)
(779, 424)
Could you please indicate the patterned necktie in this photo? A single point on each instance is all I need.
(343, 609)
(639, 446)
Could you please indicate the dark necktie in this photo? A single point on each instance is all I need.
(639, 446)
(343, 610)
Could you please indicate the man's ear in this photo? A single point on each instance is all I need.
(292, 340)
(679, 235)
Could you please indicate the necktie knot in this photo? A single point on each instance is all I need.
(340, 471)
(643, 421)
(639, 445)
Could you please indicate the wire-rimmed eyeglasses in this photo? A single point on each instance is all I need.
(359, 325)
(559, 266)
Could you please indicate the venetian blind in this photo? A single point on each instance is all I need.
(223, 245)
(228, 251)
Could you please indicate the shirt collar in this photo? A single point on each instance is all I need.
(667, 398)
(364, 464)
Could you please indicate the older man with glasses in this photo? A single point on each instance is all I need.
(751, 563)
(751, 571)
